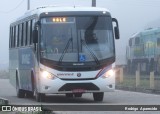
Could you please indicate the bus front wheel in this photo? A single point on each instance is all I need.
(20, 92)
(98, 96)
(40, 97)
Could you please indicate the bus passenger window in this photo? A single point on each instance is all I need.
(14, 37)
(18, 36)
(22, 37)
(26, 33)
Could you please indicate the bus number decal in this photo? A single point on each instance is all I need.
(26, 59)
(25, 56)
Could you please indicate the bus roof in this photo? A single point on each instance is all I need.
(43, 9)
(47, 9)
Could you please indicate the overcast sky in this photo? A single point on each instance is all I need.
(133, 16)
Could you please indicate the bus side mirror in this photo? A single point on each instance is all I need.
(116, 28)
(35, 36)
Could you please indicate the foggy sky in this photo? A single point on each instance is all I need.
(133, 16)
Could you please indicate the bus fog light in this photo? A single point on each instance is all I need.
(108, 74)
(46, 87)
(110, 86)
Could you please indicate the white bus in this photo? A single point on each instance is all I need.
(63, 50)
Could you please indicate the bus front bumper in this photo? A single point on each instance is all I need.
(58, 86)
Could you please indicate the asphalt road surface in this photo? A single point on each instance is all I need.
(111, 98)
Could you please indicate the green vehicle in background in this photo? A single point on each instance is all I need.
(143, 51)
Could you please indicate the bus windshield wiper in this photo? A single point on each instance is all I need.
(90, 51)
(92, 54)
(66, 48)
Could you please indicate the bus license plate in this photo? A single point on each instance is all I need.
(78, 90)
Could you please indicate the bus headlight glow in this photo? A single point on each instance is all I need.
(47, 75)
(108, 74)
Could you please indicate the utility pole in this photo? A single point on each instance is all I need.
(28, 5)
(93, 3)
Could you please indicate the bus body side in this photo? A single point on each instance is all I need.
(22, 54)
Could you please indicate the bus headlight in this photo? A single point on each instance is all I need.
(108, 74)
(47, 75)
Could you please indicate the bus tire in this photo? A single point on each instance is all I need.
(20, 92)
(98, 96)
(30, 94)
(78, 94)
(40, 97)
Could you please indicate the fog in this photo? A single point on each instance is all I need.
(133, 16)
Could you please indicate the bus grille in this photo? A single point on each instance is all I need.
(72, 86)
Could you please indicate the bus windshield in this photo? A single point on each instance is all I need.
(77, 39)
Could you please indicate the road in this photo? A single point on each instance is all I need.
(111, 98)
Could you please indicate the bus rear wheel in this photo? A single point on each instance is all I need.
(20, 92)
(98, 96)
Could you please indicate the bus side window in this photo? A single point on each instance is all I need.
(16, 36)
(31, 32)
(22, 34)
(28, 32)
(32, 28)
(19, 34)
(13, 40)
(10, 37)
